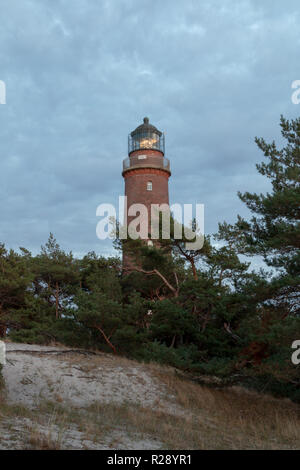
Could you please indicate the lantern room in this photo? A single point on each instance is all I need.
(146, 137)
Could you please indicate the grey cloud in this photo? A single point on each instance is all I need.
(81, 75)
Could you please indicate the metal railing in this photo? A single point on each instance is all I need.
(148, 161)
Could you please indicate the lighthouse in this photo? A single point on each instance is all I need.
(146, 173)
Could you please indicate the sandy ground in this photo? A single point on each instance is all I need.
(31, 377)
(55, 398)
(35, 374)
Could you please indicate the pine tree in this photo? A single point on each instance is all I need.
(98, 301)
(56, 275)
(15, 280)
(274, 231)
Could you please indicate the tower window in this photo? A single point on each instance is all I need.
(149, 186)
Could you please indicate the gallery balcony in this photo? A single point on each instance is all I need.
(146, 161)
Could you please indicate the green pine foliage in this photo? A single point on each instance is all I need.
(200, 310)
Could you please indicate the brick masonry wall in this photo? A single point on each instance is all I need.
(136, 187)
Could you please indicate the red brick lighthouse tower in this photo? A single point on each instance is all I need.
(146, 171)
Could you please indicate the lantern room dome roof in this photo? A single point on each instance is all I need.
(146, 127)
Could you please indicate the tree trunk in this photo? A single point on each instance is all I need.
(166, 282)
(56, 299)
(106, 339)
(173, 342)
(3, 329)
(194, 269)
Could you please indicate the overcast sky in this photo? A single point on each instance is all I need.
(82, 74)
